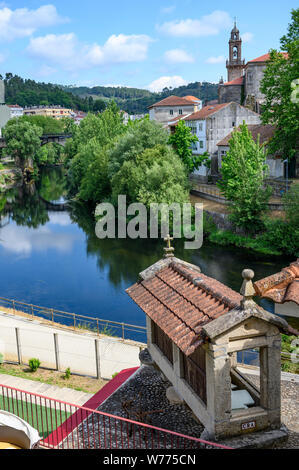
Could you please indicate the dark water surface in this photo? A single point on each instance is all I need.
(53, 258)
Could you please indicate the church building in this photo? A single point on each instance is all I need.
(243, 80)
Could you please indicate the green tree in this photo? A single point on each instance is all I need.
(278, 87)
(291, 201)
(156, 175)
(22, 140)
(86, 152)
(140, 135)
(182, 141)
(243, 171)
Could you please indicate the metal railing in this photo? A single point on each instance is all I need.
(62, 425)
(76, 321)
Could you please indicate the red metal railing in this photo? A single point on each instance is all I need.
(63, 425)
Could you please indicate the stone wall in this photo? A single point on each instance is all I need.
(228, 93)
(220, 124)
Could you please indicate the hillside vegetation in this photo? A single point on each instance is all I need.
(135, 100)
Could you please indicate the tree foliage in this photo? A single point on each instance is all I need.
(243, 171)
(280, 86)
(182, 141)
(22, 140)
(154, 176)
(30, 93)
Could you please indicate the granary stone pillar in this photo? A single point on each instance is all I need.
(218, 366)
(270, 377)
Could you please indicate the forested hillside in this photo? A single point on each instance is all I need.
(133, 100)
(31, 93)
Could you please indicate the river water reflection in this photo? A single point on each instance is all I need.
(53, 258)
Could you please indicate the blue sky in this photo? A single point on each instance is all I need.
(145, 44)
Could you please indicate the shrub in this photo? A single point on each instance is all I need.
(34, 364)
(291, 201)
(114, 375)
(67, 373)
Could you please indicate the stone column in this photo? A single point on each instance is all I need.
(218, 367)
(270, 378)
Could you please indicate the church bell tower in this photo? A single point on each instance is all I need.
(235, 65)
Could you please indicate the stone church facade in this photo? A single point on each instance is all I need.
(243, 80)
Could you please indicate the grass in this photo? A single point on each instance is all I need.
(53, 377)
(44, 419)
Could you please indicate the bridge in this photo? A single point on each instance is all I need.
(46, 139)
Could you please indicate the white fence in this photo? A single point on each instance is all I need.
(84, 353)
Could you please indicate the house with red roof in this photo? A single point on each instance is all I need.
(211, 124)
(173, 107)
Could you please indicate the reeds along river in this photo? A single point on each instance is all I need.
(54, 259)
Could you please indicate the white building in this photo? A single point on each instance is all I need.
(174, 106)
(212, 124)
(4, 110)
(15, 110)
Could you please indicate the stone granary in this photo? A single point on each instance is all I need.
(195, 328)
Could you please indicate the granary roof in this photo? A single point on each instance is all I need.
(264, 131)
(281, 287)
(181, 300)
(190, 306)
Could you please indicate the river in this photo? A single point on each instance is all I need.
(54, 259)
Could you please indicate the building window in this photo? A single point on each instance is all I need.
(201, 144)
(171, 112)
(200, 126)
(180, 111)
(233, 124)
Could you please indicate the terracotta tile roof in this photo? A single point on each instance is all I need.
(281, 287)
(172, 101)
(206, 112)
(178, 118)
(181, 300)
(237, 81)
(266, 133)
(191, 98)
(265, 58)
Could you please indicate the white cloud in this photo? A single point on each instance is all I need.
(2, 58)
(67, 51)
(22, 22)
(216, 60)
(163, 82)
(247, 37)
(178, 56)
(206, 26)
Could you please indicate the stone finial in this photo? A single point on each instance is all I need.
(247, 289)
(169, 249)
